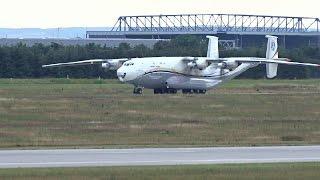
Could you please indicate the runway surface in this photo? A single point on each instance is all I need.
(156, 156)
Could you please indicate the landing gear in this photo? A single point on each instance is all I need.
(137, 90)
(202, 91)
(156, 91)
(165, 91)
(186, 91)
(195, 91)
(172, 91)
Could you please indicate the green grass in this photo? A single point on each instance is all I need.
(230, 171)
(105, 113)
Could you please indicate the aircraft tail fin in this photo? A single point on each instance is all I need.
(213, 50)
(272, 53)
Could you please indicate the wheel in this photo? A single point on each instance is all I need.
(156, 91)
(172, 91)
(196, 91)
(137, 90)
(186, 91)
(161, 91)
(202, 91)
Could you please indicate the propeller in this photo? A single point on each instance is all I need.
(222, 66)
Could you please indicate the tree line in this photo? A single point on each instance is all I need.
(21, 61)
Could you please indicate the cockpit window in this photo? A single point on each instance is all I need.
(128, 64)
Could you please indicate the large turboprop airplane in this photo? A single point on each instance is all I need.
(189, 74)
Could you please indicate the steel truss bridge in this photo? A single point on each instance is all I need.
(167, 26)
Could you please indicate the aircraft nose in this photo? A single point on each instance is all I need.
(121, 75)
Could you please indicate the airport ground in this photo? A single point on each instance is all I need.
(60, 113)
(227, 171)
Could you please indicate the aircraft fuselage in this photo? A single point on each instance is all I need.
(172, 72)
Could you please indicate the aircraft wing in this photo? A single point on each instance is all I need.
(77, 63)
(264, 61)
(278, 61)
(110, 62)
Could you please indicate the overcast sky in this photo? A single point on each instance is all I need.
(92, 13)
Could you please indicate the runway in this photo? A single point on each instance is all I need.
(156, 156)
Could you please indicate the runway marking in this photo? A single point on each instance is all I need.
(166, 150)
(253, 160)
(157, 156)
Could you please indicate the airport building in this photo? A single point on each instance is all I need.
(234, 30)
(77, 41)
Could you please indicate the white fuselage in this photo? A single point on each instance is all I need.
(172, 72)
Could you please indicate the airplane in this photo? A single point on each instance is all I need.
(189, 74)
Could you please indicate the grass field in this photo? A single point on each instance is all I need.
(73, 113)
(290, 171)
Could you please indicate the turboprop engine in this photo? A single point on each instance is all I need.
(111, 64)
(198, 63)
(228, 64)
(202, 63)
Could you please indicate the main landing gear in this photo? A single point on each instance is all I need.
(138, 90)
(174, 91)
(165, 91)
(194, 91)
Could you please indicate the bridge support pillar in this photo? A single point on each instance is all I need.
(319, 41)
(284, 41)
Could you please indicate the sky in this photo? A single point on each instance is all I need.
(104, 13)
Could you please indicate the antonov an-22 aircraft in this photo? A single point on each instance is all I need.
(189, 74)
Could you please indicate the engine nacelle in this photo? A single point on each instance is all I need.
(228, 65)
(191, 64)
(105, 65)
(232, 64)
(222, 65)
(201, 63)
(198, 63)
(111, 65)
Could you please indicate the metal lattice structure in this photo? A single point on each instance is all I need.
(217, 23)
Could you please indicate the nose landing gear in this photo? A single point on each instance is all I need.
(137, 90)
